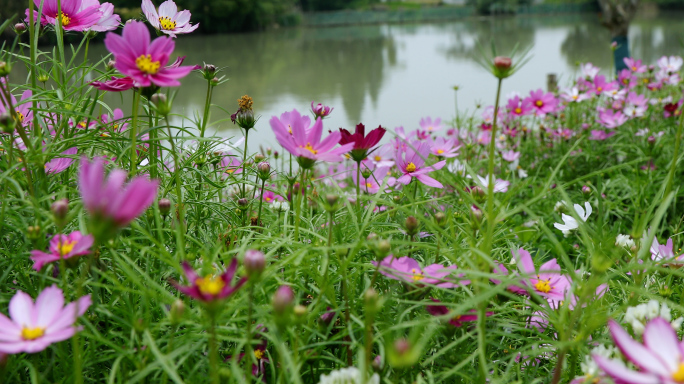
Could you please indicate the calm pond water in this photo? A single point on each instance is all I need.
(393, 75)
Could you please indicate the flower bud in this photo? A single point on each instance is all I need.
(43, 78)
(176, 311)
(502, 67)
(440, 218)
(402, 346)
(476, 214)
(209, 70)
(299, 310)
(586, 190)
(478, 194)
(5, 68)
(372, 301)
(264, 170)
(384, 248)
(243, 204)
(164, 206)
(283, 299)
(59, 210)
(33, 232)
(331, 199)
(6, 123)
(215, 81)
(411, 226)
(19, 28)
(377, 363)
(327, 317)
(366, 173)
(254, 262)
(111, 64)
(258, 158)
(161, 103)
(651, 140)
(269, 150)
(245, 119)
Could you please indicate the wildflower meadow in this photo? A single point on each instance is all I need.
(536, 240)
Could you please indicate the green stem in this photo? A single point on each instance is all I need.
(134, 132)
(244, 165)
(298, 203)
(330, 229)
(207, 104)
(675, 157)
(248, 345)
(261, 201)
(213, 351)
(180, 237)
(347, 313)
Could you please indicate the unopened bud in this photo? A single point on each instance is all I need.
(502, 67)
(440, 218)
(651, 140)
(299, 310)
(243, 204)
(254, 262)
(43, 78)
(245, 119)
(111, 64)
(384, 248)
(258, 158)
(176, 311)
(377, 363)
(371, 298)
(33, 232)
(366, 173)
(476, 214)
(283, 299)
(586, 190)
(402, 346)
(209, 71)
(411, 226)
(215, 81)
(269, 150)
(478, 194)
(264, 170)
(164, 206)
(327, 317)
(5, 68)
(331, 199)
(161, 103)
(59, 210)
(19, 28)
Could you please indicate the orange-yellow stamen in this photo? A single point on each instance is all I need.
(66, 20)
(32, 333)
(678, 376)
(410, 167)
(146, 65)
(378, 158)
(309, 148)
(518, 110)
(440, 151)
(539, 103)
(543, 286)
(65, 247)
(166, 23)
(259, 354)
(417, 276)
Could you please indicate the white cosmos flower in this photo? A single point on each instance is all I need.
(350, 375)
(569, 222)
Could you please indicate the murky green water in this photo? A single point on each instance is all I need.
(395, 74)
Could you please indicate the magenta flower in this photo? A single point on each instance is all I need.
(362, 142)
(210, 287)
(142, 60)
(258, 369)
(547, 282)
(75, 17)
(601, 135)
(411, 163)
(109, 199)
(429, 125)
(611, 119)
(116, 122)
(627, 79)
(22, 108)
(519, 107)
(32, 327)
(168, 20)
(63, 247)
(60, 164)
(442, 147)
(116, 84)
(635, 65)
(456, 320)
(320, 110)
(660, 358)
(408, 270)
(600, 85)
(307, 146)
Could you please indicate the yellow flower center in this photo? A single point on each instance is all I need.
(599, 89)
(646, 80)
(146, 65)
(210, 285)
(456, 318)
(66, 20)
(166, 23)
(543, 286)
(678, 376)
(289, 128)
(259, 354)
(539, 103)
(82, 124)
(417, 276)
(268, 199)
(309, 148)
(634, 68)
(369, 185)
(575, 97)
(378, 158)
(32, 333)
(411, 167)
(440, 151)
(518, 110)
(20, 116)
(65, 247)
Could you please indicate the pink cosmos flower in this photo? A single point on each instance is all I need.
(109, 199)
(271, 197)
(660, 358)
(142, 60)
(408, 270)
(456, 320)
(63, 247)
(547, 282)
(168, 20)
(442, 147)
(510, 156)
(383, 156)
(22, 108)
(116, 84)
(611, 119)
(665, 253)
(543, 103)
(411, 163)
(589, 71)
(32, 327)
(519, 107)
(60, 164)
(320, 110)
(627, 79)
(635, 65)
(75, 17)
(108, 20)
(670, 64)
(307, 146)
(379, 177)
(636, 105)
(600, 85)
(210, 287)
(601, 135)
(429, 125)
(116, 122)
(500, 185)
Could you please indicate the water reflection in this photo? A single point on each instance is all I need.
(395, 74)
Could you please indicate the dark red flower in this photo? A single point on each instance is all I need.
(456, 320)
(362, 142)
